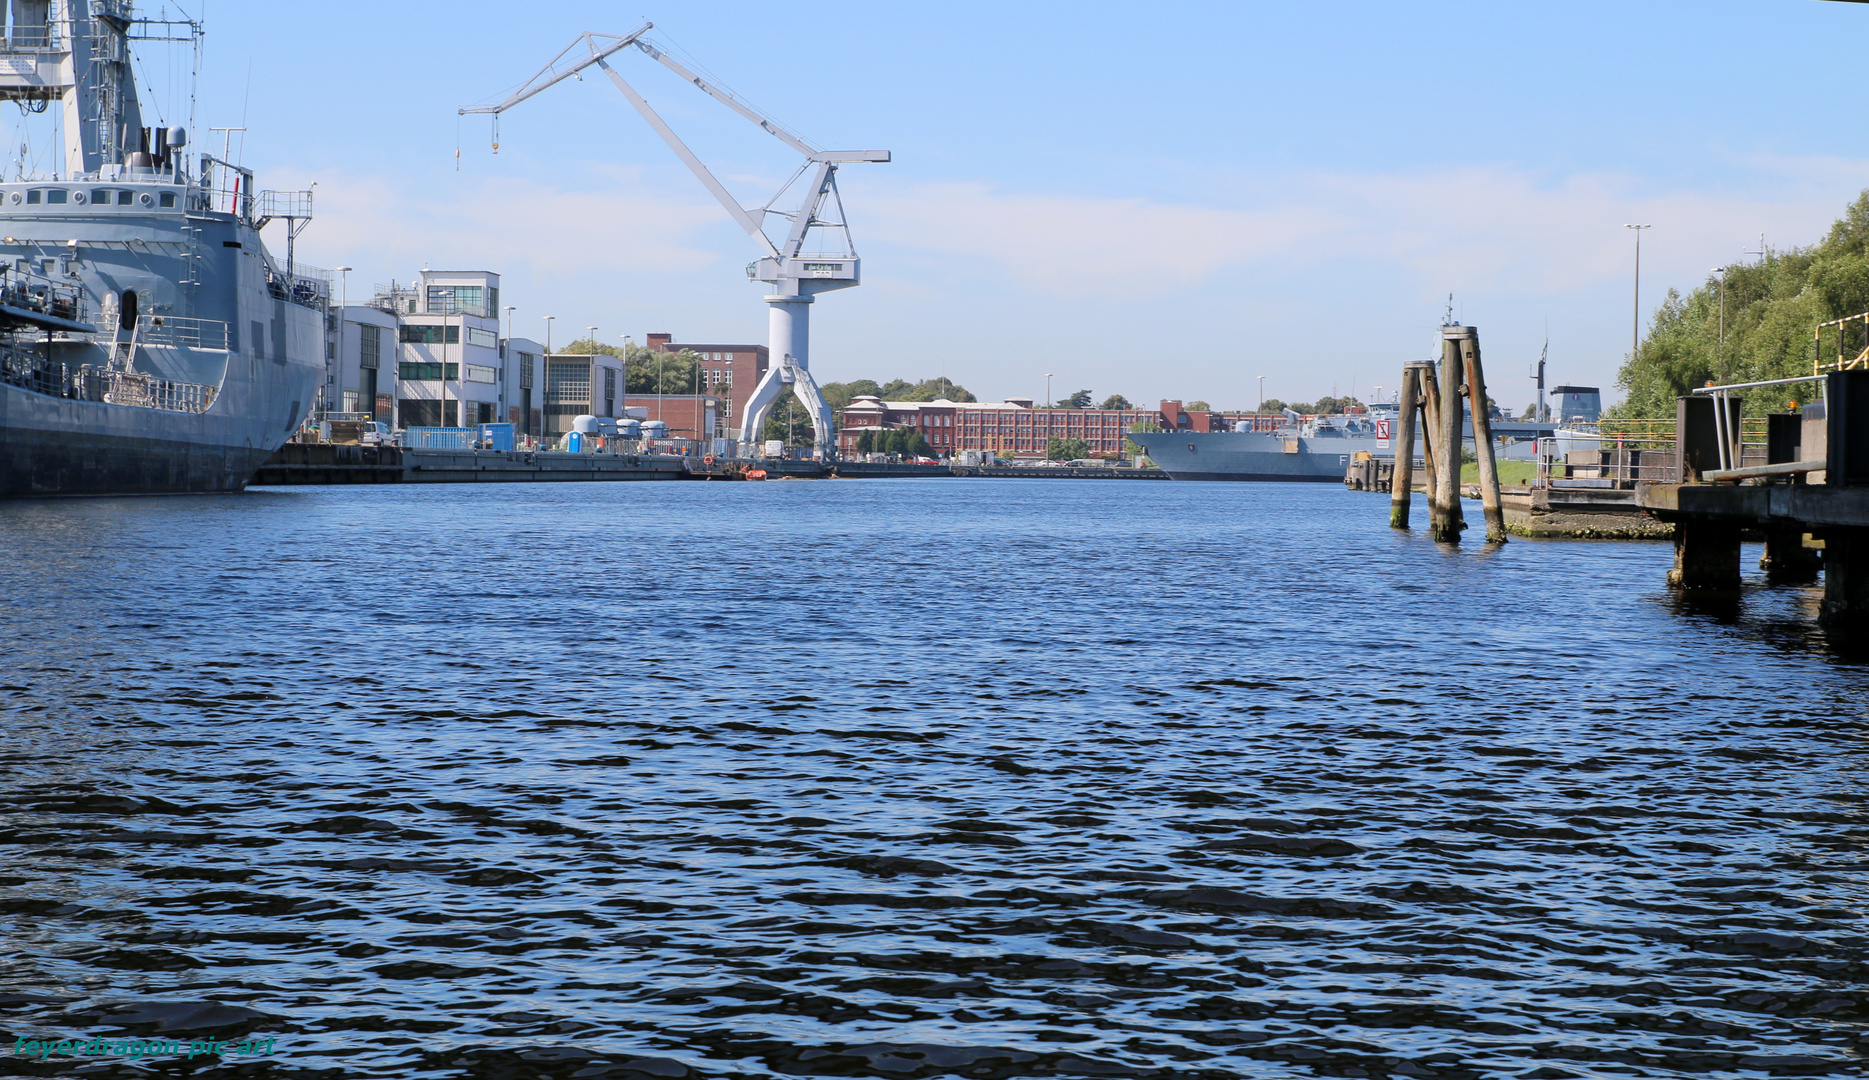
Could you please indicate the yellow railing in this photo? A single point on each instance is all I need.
(1658, 434)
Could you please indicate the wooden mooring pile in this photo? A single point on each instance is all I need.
(1438, 401)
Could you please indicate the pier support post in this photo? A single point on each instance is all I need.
(1706, 556)
(1402, 480)
(1786, 560)
(1444, 517)
(1430, 386)
(1846, 580)
(1483, 437)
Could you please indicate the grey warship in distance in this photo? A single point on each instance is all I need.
(148, 341)
(1314, 449)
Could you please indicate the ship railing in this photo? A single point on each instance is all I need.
(30, 36)
(282, 204)
(305, 285)
(47, 297)
(175, 330)
(137, 390)
(28, 369)
(227, 188)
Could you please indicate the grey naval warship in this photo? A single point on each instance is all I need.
(1314, 449)
(148, 340)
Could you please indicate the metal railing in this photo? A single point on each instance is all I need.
(178, 331)
(44, 296)
(29, 370)
(1608, 466)
(282, 204)
(142, 391)
(227, 188)
(1731, 442)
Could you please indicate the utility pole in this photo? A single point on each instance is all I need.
(1635, 333)
(343, 302)
(1720, 358)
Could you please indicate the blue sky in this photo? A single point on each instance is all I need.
(1161, 201)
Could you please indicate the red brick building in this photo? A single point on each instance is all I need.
(1011, 428)
(934, 419)
(728, 372)
(1014, 428)
(688, 416)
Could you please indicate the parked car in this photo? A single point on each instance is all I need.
(376, 433)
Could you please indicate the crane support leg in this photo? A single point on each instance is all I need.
(781, 377)
(759, 406)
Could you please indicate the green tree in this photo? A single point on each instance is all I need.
(1116, 401)
(790, 422)
(1328, 404)
(1078, 400)
(1199, 406)
(649, 372)
(838, 395)
(1772, 307)
(905, 441)
(1067, 449)
(1272, 405)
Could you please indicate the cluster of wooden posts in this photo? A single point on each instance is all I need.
(1436, 399)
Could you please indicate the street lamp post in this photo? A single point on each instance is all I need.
(342, 303)
(1635, 331)
(548, 333)
(1262, 393)
(1048, 404)
(1720, 275)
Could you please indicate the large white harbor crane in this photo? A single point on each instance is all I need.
(795, 272)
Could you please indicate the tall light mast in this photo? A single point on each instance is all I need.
(795, 275)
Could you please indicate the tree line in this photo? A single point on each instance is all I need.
(1754, 326)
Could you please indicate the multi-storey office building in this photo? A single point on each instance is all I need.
(450, 369)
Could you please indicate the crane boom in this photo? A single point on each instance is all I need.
(600, 46)
(754, 227)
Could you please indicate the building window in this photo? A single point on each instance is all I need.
(457, 300)
(486, 339)
(418, 372)
(525, 370)
(369, 346)
(480, 373)
(568, 382)
(431, 335)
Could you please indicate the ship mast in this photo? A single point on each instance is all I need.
(77, 53)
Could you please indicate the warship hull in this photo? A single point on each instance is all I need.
(50, 446)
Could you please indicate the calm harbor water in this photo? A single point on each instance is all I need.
(911, 779)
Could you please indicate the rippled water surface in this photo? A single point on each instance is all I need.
(970, 778)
